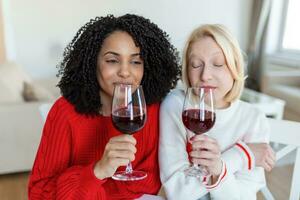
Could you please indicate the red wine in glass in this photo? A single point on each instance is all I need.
(127, 124)
(129, 116)
(192, 120)
(198, 116)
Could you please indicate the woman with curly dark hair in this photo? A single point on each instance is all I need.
(80, 149)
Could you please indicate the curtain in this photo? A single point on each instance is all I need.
(260, 17)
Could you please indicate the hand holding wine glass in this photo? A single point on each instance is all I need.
(129, 116)
(206, 152)
(119, 151)
(198, 116)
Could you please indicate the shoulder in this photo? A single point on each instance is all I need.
(172, 105)
(153, 109)
(174, 98)
(248, 111)
(62, 107)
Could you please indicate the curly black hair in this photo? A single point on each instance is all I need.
(79, 83)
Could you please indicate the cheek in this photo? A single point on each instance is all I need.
(98, 75)
(104, 75)
(193, 77)
(138, 75)
(228, 82)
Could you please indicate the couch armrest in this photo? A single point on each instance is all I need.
(20, 132)
(281, 77)
(50, 85)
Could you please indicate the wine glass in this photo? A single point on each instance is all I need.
(198, 116)
(129, 116)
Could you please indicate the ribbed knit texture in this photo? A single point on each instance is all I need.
(70, 146)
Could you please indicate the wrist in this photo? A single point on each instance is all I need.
(214, 181)
(99, 173)
(218, 170)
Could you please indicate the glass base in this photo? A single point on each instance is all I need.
(196, 171)
(133, 176)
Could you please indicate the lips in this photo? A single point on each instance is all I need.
(123, 83)
(208, 87)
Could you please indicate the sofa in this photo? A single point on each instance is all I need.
(286, 86)
(20, 120)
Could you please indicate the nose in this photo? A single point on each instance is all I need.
(206, 74)
(124, 70)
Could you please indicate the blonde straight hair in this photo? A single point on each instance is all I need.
(231, 50)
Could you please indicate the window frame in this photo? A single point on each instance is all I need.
(280, 55)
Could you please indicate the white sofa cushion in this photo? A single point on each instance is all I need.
(290, 94)
(7, 95)
(12, 78)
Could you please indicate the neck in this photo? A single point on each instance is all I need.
(222, 105)
(106, 102)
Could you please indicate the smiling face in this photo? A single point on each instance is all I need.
(119, 61)
(207, 67)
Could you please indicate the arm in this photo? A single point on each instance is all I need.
(146, 159)
(173, 157)
(51, 176)
(244, 184)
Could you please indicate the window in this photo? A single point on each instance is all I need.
(283, 38)
(291, 33)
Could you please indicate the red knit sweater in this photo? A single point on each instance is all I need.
(72, 143)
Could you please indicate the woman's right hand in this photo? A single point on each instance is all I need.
(264, 155)
(119, 151)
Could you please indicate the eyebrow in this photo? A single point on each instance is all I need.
(117, 54)
(217, 52)
(193, 55)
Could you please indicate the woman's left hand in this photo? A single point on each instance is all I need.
(206, 152)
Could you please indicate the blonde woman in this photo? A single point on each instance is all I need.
(236, 149)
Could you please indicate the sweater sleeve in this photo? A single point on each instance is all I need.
(244, 184)
(173, 157)
(239, 179)
(51, 178)
(238, 157)
(146, 160)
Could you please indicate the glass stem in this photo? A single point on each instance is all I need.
(128, 168)
(196, 166)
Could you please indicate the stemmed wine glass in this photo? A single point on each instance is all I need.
(198, 117)
(129, 116)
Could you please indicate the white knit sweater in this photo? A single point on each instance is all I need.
(236, 125)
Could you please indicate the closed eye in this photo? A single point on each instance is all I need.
(218, 65)
(136, 62)
(112, 61)
(197, 66)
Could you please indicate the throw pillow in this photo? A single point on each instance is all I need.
(33, 92)
(12, 77)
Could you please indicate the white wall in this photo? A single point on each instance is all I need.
(37, 31)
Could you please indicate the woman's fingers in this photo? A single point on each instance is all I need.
(203, 138)
(270, 162)
(272, 154)
(267, 166)
(204, 154)
(116, 162)
(209, 145)
(129, 155)
(204, 162)
(123, 138)
(121, 146)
